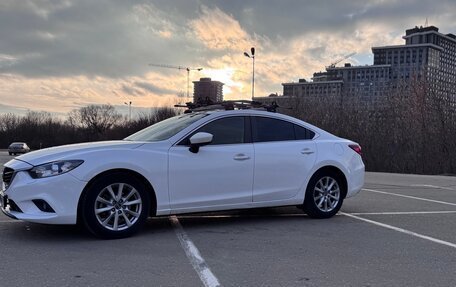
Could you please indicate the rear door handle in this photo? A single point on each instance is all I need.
(241, 156)
(307, 151)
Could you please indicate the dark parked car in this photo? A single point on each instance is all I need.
(16, 148)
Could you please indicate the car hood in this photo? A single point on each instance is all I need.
(73, 150)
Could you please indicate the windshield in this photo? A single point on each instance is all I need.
(165, 129)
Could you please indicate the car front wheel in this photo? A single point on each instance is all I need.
(115, 206)
(324, 195)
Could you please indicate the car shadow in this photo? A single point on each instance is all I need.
(25, 231)
(19, 231)
(256, 216)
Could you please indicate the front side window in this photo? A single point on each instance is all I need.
(229, 130)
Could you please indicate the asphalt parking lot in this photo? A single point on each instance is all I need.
(399, 231)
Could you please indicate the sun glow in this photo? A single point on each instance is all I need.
(233, 86)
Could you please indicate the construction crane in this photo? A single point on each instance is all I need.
(188, 69)
(333, 65)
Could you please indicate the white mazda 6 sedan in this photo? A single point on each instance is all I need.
(195, 162)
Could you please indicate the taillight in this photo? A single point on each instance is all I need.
(356, 148)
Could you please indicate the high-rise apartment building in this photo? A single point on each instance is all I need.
(206, 89)
(427, 56)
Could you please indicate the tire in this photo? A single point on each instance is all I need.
(117, 217)
(10, 153)
(324, 195)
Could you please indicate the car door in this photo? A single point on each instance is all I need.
(219, 174)
(284, 156)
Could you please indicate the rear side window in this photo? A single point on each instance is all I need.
(303, 133)
(268, 130)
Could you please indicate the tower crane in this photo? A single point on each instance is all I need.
(188, 69)
(333, 64)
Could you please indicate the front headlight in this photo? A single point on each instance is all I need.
(54, 168)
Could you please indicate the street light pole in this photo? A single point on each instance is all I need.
(252, 50)
(129, 110)
(253, 73)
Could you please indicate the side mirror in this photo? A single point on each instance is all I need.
(199, 139)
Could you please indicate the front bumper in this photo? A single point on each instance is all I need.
(6, 210)
(60, 192)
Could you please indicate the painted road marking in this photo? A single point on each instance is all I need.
(405, 231)
(432, 186)
(193, 254)
(412, 197)
(403, 212)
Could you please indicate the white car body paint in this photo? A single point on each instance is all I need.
(218, 177)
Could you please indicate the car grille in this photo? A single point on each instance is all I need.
(7, 176)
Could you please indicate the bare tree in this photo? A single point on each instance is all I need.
(97, 118)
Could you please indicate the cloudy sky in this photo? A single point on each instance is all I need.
(60, 55)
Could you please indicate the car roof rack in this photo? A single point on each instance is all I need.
(208, 105)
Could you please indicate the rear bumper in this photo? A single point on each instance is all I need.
(18, 151)
(356, 179)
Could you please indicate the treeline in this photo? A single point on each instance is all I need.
(410, 128)
(90, 123)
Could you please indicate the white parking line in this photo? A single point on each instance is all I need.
(193, 254)
(435, 240)
(403, 212)
(412, 197)
(432, 186)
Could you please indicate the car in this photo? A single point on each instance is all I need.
(195, 162)
(18, 147)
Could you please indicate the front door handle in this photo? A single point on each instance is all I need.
(241, 156)
(307, 151)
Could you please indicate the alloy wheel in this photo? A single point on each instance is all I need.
(326, 194)
(118, 206)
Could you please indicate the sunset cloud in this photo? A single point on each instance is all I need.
(219, 31)
(61, 55)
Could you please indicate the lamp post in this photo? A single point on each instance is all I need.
(252, 56)
(129, 110)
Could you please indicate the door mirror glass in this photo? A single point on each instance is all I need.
(199, 139)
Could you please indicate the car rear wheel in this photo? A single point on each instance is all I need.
(115, 206)
(324, 195)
